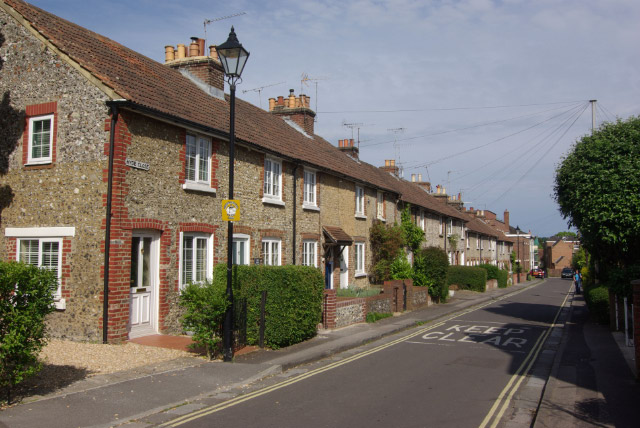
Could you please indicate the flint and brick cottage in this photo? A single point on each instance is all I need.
(69, 93)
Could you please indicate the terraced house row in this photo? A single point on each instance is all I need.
(67, 92)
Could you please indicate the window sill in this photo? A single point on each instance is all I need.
(360, 275)
(60, 304)
(361, 216)
(198, 187)
(310, 207)
(382, 219)
(272, 201)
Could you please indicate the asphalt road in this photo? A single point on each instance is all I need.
(459, 372)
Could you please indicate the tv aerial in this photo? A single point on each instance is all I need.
(259, 90)
(211, 21)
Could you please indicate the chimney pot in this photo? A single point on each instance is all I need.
(193, 47)
(420, 178)
(272, 103)
(213, 52)
(413, 178)
(280, 100)
(181, 51)
(351, 143)
(200, 47)
(169, 53)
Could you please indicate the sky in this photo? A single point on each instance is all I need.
(483, 97)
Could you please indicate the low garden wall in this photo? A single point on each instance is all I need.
(396, 296)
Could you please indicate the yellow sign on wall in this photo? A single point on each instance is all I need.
(231, 210)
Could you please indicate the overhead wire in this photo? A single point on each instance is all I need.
(490, 142)
(529, 151)
(448, 108)
(460, 129)
(541, 157)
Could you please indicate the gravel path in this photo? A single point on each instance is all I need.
(65, 362)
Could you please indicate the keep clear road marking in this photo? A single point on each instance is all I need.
(516, 380)
(505, 337)
(254, 394)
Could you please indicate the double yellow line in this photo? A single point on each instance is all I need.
(516, 380)
(251, 395)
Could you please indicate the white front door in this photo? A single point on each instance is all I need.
(344, 267)
(144, 285)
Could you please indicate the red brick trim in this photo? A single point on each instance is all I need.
(36, 110)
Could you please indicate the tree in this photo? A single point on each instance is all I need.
(597, 187)
(567, 234)
(413, 235)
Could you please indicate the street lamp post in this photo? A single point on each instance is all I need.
(233, 58)
(518, 261)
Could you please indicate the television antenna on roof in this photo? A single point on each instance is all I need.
(304, 78)
(259, 90)
(397, 131)
(211, 21)
(357, 126)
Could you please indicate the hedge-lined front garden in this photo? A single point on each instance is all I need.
(468, 277)
(294, 301)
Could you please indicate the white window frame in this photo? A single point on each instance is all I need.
(441, 225)
(41, 241)
(209, 256)
(267, 251)
(359, 258)
(309, 190)
(360, 198)
(310, 253)
(477, 242)
(246, 239)
(380, 205)
(422, 223)
(196, 182)
(272, 181)
(42, 159)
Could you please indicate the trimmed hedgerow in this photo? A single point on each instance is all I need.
(468, 277)
(494, 272)
(294, 301)
(598, 302)
(375, 316)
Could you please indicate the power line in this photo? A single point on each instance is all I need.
(465, 128)
(543, 155)
(449, 108)
(543, 142)
(491, 142)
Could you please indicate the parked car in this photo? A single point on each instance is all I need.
(537, 273)
(567, 273)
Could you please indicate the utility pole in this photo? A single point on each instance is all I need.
(593, 115)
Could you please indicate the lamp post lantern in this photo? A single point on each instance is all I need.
(233, 58)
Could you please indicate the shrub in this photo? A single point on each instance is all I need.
(205, 306)
(400, 268)
(387, 244)
(469, 277)
(493, 272)
(430, 270)
(598, 302)
(294, 301)
(375, 316)
(26, 298)
(503, 278)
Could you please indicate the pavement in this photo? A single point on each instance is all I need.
(581, 378)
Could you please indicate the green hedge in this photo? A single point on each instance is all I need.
(468, 277)
(294, 301)
(26, 298)
(598, 302)
(494, 272)
(430, 270)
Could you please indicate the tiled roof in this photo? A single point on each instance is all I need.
(478, 226)
(166, 92)
(154, 86)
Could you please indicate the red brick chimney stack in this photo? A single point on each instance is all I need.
(506, 219)
(348, 146)
(295, 108)
(206, 68)
(390, 167)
